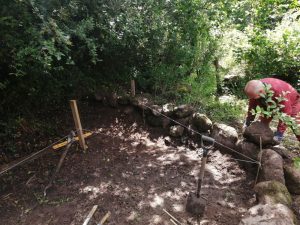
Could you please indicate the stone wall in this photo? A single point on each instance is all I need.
(278, 177)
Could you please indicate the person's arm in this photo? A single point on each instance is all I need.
(250, 117)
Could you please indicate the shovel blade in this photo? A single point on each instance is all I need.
(194, 205)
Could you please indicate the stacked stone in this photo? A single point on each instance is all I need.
(278, 177)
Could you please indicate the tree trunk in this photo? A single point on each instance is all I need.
(218, 78)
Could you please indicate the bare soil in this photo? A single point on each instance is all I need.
(128, 170)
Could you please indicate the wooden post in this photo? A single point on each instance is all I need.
(132, 88)
(78, 124)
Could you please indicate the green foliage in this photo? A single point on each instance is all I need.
(274, 108)
(52, 48)
(276, 50)
(296, 161)
(199, 90)
(55, 50)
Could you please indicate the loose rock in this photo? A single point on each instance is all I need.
(225, 135)
(124, 99)
(286, 154)
(112, 99)
(296, 205)
(183, 111)
(292, 178)
(168, 109)
(128, 110)
(155, 121)
(156, 110)
(201, 122)
(272, 166)
(176, 131)
(247, 148)
(272, 192)
(257, 130)
(141, 102)
(269, 215)
(185, 121)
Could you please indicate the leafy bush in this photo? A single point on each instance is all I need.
(276, 51)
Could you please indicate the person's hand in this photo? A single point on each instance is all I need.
(278, 136)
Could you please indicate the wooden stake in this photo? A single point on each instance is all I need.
(107, 215)
(176, 220)
(259, 156)
(76, 118)
(91, 213)
(132, 88)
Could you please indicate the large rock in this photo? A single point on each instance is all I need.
(248, 149)
(112, 99)
(296, 205)
(168, 109)
(156, 110)
(184, 121)
(183, 111)
(201, 122)
(292, 178)
(257, 130)
(224, 135)
(176, 131)
(128, 110)
(155, 121)
(269, 214)
(124, 99)
(142, 103)
(272, 166)
(286, 154)
(272, 192)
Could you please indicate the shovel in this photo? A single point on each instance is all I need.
(195, 203)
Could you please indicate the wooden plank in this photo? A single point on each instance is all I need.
(57, 146)
(91, 213)
(76, 118)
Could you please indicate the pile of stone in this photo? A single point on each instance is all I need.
(278, 177)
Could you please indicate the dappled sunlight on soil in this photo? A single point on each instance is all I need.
(130, 171)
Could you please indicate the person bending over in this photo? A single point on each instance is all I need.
(290, 105)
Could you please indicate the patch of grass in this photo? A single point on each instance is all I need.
(200, 92)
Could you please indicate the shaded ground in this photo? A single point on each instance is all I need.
(128, 170)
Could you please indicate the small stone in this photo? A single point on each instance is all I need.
(167, 140)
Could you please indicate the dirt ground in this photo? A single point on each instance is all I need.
(128, 170)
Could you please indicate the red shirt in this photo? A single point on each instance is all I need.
(279, 87)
